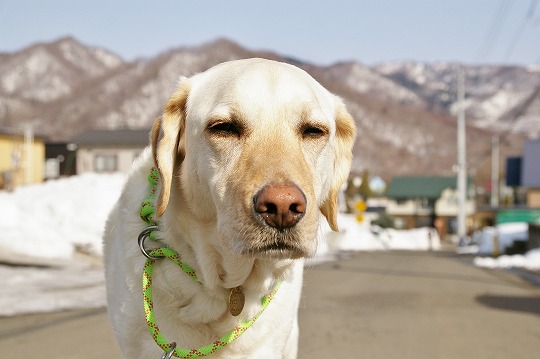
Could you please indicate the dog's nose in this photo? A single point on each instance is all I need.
(281, 205)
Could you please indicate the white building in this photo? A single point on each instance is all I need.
(109, 151)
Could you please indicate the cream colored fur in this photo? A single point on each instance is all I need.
(224, 134)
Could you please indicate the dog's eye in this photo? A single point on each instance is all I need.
(225, 128)
(309, 131)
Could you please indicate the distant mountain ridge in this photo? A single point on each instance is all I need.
(499, 98)
(404, 111)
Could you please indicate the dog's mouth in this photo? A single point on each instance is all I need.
(277, 245)
(278, 252)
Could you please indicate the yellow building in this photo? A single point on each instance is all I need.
(22, 158)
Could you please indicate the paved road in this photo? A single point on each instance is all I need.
(417, 305)
(372, 305)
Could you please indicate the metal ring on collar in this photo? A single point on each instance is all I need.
(142, 237)
(169, 354)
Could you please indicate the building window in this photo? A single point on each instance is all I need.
(105, 163)
(426, 203)
(52, 168)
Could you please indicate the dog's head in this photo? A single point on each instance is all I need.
(257, 148)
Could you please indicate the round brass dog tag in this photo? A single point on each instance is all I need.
(236, 301)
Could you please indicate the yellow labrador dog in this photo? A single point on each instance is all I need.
(249, 153)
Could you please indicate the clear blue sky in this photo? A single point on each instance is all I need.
(322, 32)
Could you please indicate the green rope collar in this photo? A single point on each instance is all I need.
(147, 214)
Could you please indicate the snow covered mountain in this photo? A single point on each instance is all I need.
(46, 72)
(404, 111)
(40, 75)
(500, 98)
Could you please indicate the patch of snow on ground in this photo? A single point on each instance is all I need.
(47, 289)
(530, 261)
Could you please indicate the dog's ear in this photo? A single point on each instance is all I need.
(344, 141)
(168, 145)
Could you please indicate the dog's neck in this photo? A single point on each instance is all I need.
(217, 266)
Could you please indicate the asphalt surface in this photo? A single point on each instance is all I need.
(370, 305)
(417, 305)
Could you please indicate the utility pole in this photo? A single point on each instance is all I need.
(494, 172)
(462, 158)
(28, 160)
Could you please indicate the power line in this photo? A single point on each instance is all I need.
(532, 9)
(495, 29)
(515, 40)
(530, 16)
(519, 33)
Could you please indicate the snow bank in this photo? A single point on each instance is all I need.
(530, 261)
(503, 236)
(497, 239)
(355, 236)
(51, 220)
